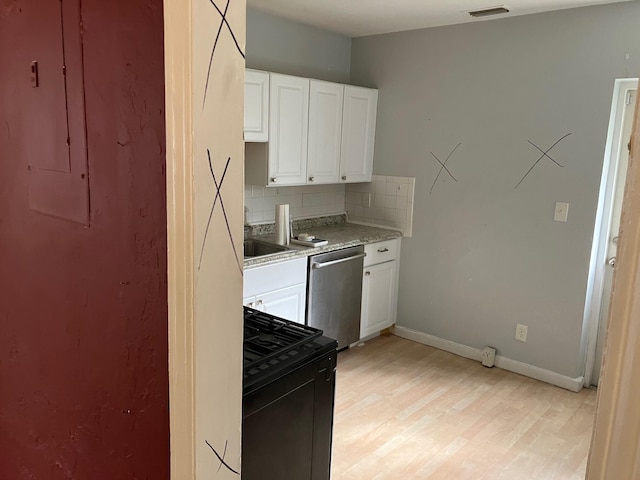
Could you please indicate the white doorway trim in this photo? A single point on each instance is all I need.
(614, 449)
(204, 275)
(597, 265)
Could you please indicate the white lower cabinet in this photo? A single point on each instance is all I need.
(287, 302)
(279, 289)
(379, 287)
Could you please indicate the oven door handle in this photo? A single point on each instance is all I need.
(316, 265)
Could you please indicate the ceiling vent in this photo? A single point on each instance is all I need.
(489, 11)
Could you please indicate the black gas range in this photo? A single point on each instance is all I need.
(288, 398)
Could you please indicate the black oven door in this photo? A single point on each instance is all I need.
(287, 424)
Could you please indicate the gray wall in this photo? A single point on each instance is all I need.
(279, 45)
(485, 256)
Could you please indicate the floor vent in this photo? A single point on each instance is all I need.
(489, 11)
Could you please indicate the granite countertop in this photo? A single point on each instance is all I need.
(339, 236)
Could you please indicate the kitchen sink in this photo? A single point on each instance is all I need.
(258, 248)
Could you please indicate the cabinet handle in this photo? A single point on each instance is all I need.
(273, 179)
(383, 250)
(344, 177)
(366, 274)
(260, 302)
(250, 304)
(311, 179)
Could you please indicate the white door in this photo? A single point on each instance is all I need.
(288, 129)
(288, 303)
(358, 134)
(612, 237)
(325, 132)
(378, 291)
(256, 106)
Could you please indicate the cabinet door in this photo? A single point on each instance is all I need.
(358, 134)
(287, 303)
(256, 106)
(378, 298)
(325, 132)
(288, 130)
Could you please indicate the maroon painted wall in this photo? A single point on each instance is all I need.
(83, 311)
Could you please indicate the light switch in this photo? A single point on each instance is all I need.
(366, 200)
(562, 212)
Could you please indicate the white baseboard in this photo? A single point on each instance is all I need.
(548, 376)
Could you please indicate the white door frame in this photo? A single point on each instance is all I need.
(597, 265)
(204, 98)
(614, 450)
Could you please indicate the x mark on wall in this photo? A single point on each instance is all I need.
(545, 153)
(218, 196)
(443, 166)
(223, 22)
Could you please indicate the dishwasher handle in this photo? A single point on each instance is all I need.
(316, 265)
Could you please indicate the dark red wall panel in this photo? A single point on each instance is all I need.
(83, 310)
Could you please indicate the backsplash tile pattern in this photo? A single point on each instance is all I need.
(304, 201)
(386, 201)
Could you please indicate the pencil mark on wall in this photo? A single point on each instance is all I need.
(545, 153)
(217, 197)
(223, 22)
(443, 166)
(221, 458)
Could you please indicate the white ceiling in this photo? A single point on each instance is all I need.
(356, 18)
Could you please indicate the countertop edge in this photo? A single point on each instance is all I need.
(341, 236)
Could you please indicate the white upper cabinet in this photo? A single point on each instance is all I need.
(325, 132)
(256, 106)
(317, 132)
(358, 134)
(288, 130)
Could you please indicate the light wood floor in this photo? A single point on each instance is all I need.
(408, 411)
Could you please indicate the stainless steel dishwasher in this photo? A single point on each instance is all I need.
(335, 293)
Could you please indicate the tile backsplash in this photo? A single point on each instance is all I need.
(386, 201)
(304, 201)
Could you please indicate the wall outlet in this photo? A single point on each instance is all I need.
(521, 332)
(489, 357)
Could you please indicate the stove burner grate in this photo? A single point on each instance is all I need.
(267, 337)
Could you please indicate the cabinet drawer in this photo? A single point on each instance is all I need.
(380, 252)
(273, 277)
